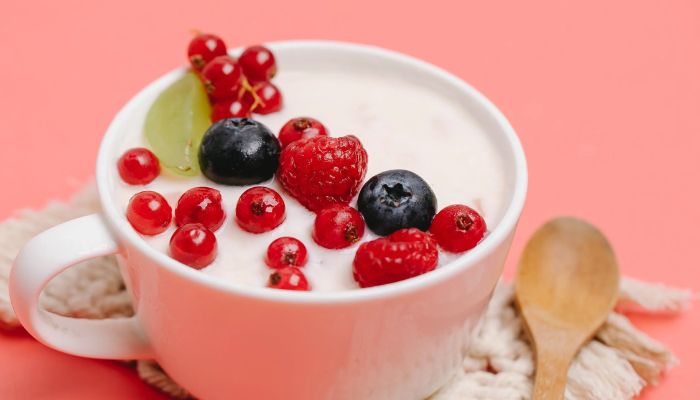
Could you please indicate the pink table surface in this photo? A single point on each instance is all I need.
(605, 96)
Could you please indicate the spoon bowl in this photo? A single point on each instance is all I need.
(566, 286)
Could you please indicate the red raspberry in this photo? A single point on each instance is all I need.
(231, 108)
(149, 213)
(403, 254)
(301, 128)
(193, 245)
(270, 98)
(260, 209)
(204, 48)
(200, 205)
(138, 166)
(458, 228)
(222, 78)
(286, 252)
(323, 171)
(258, 63)
(289, 278)
(338, 226)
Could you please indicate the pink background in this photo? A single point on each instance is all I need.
(604, 94)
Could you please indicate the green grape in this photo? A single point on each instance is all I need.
(176, 123)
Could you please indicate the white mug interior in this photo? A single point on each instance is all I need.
(323, 55)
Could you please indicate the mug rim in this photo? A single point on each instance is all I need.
(489, 244)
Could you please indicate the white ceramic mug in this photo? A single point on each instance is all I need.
(222, 341)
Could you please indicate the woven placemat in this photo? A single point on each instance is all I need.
(617, 364)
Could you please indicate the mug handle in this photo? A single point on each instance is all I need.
(42, 258)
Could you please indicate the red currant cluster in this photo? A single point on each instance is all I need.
(199, 213)
(236, 87)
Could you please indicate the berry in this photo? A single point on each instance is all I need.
(200, 205)
(193, 245)
(396, 199)
(338, 226)
(289, 278)
(258, 64)
(231, 108)
(239, 151)
(458, 228)
(138, 166)
(403, 254)
(222, 78)
(286, 252)
(323, 171)
(149, 213)
(203, 48)
(270, 98)
(260, 209)
(301, 128)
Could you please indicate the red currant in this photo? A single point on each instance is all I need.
(149, 213)
(193, 245)
(200, 205)
(301, 128)
(260, 209)
(286, 252)
(203, 48)
(270, 98)
(288, 278)
(458, 228)
(222, 78)
(338, 226)
(258, 64)
(138, 166)
(231, 108)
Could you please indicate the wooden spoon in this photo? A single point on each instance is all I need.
(566, 285)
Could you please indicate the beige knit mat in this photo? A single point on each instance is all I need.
(617, 364)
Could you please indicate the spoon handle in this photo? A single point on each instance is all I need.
(551, 373)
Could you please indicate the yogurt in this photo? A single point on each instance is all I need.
(402, 125)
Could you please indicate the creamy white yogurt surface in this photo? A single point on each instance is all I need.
(401, 124)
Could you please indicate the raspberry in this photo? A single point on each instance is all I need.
(286, 252)
(338, 226)
(403, 254)
(323, 171)
(289, 278)
(149, 213)
(458, 228)
(260, 209)
(193, 245)
(200, 205)
(138, 166)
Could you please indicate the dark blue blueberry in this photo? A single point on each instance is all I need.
(239, 151)
(396, 199)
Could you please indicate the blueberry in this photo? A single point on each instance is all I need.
(239, 151)
(396, 199)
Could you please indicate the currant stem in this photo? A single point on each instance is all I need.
(246, 87)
